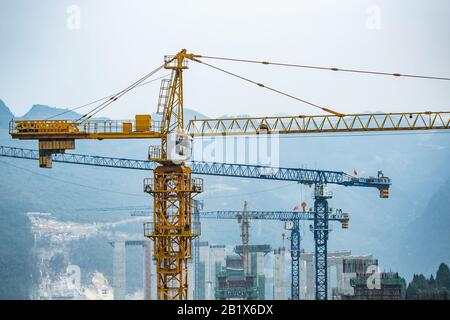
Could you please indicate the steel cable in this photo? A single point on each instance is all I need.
(329, 68)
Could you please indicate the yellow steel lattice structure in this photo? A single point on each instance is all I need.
(142, 127)
(320, 124)
(172, 228)
(173, 114)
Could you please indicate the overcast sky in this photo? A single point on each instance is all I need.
(50, 57)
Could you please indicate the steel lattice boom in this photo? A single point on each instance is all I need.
(272, 215)
(304, 176)
(304, 124)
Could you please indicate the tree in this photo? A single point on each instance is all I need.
(412, 292)
(443, 276)
(432, 281)
(437, 288)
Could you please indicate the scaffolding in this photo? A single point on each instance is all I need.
(392, 287)
(233, 283)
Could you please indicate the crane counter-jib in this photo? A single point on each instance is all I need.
(137, 129)
(91, 129)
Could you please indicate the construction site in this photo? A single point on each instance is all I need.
(183, 250)
(220, 272)
(175, 223)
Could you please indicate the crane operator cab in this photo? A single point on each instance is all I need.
(179, 147)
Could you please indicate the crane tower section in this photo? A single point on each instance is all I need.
(172, 229)
(172, 188)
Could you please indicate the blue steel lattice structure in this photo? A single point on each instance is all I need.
(321, 231)
(295, 259)
(295, 217)
(280, 215)
(300, 175)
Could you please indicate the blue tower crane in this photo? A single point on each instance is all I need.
(319, 178)
(294, 217)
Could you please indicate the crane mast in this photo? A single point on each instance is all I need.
(173, 116)
(172, 188)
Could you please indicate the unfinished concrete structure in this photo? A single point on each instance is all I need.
(203, 272)
(256, 257)
(211, 261)
(335, 260)
(233, 283)
(119, 267)
(351, 266)
(279, 274)
(216, 262)
(119, 270)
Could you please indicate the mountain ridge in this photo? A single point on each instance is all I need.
(43, 112)
(5, 114)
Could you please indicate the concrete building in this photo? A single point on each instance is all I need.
(148, 262)
(211, 261)
(119, 270)
(307, 278)
(257, 264)
(216, 262)
(341, 264)
(203, 272)
(279, 274)
(119, 267)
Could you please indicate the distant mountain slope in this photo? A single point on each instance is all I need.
(36, 112)
(190, 114)
(427, 239)
(17, 264)
(40, 112)
(5, 115)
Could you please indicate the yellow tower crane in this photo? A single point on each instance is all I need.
(172, 185)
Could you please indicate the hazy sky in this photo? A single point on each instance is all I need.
(46, 59)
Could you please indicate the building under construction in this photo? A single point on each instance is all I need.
(279, 274)
(212, 259)
(234, 283)
(391, 287)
